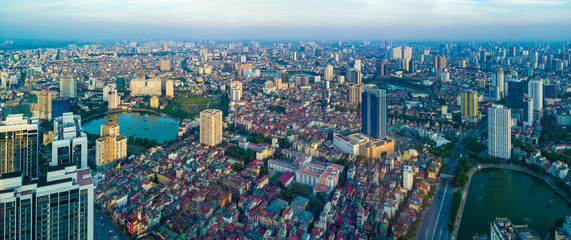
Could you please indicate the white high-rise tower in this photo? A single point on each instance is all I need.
(535, 88)
(499, 132)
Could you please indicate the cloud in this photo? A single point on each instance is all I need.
(323, 17)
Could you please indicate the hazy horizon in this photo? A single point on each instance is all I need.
(408, 20)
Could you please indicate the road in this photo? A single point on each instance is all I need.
(104, 228)
(435, 220)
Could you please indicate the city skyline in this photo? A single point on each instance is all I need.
(237, 20)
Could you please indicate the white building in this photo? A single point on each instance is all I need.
(150, 87)
(56, 206)
(407, 53)
(498, 80)
(67, 87)
(328, 75)
(69, 144)
(236, 93)
(407, 178)
(499, 132)
(113, 100)
(445, 76)
(535, 88)
(349, 141)
(169, 88)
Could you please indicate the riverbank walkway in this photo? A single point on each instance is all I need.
(127, 110)
(546, 179)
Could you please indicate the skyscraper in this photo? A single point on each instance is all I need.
(120, 83)
(498, 80)
(169, 88)
(41, 105)
(439, 62)
(113, 99)
(527, 112)
(354, 76)
(69, 144)
(516, 88)
(469, 103)
(67, 88)
(407, 53)
(499, 132)
(407, 178)
(374, 112)
(211, 127)
(56, 206)
(60, 106)
(355, 93)
(19, 145)
(535, 89)
(236, 84)
(328, 75)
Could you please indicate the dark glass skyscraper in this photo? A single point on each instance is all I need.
(374, 109)
(516, 88)
(60, 106)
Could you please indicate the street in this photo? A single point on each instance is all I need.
(104, 228)
(434, 223)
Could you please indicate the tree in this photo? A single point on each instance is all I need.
(131, 139)
(237, 167)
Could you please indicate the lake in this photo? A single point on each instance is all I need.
(137, 124)
(523, 198)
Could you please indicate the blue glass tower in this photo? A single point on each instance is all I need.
(374, 112)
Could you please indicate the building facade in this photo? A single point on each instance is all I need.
(69, 144)
(374, 112)
(148, 87)
(56, 206)
(111, 145)
(211, 127)
(19, 145)
(499, 132)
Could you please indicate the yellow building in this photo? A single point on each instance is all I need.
(48, 137)
(155, 102)
(469, 103)
(211, 127)
(111, 145)
(41, 104)
(377, 148)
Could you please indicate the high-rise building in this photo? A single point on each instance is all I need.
(67, 88)
(355, 93)
(105, 92)
(407, 53)
(407, 177)
(41, 105)
(111, 145)
(381, 68)
(328, 75)
(550, 91)
(374, 112)
(120, 83)
(285, 76)
(60, 106)
(535, 88)
(236, 93)
(169, 88)
(499, 132)
(278, 83)
(516, 89)
(56, 206)
(242, 68)
(439, 62)
(211, 127)
(113, 99)
(527, 112)
(357, 64)
(236, 84)
(469, 103)
(395, 53)
(19, 145)
(354, 76)
(498, 80)
(69, 144)
(445, 76)
(165, 65)
(149, 87)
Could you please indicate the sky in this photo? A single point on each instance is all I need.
(409, 20)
